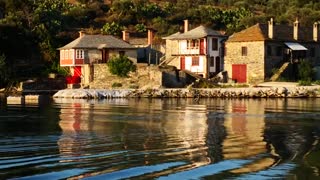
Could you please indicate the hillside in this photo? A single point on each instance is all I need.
(46, 25)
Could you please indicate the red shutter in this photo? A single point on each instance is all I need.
(182, 63)
(202, 46)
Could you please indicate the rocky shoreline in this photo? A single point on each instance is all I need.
(252, 92)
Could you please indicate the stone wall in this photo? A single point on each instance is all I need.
(254, 59)
(145, 77)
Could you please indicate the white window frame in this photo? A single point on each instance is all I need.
(79, 54)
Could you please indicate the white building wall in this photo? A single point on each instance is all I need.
(195, 69)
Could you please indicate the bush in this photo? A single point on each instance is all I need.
(305, 71)
(120, 66)
(305, 83)
(114, 85)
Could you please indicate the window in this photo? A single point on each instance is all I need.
(79, 54)
(214, 44)
(192, 44)
(62, 54)
(244, 51)
(121, 53)
(195, 61)
(279, 51)
(312, 52)
(269, 50)
(212, 61)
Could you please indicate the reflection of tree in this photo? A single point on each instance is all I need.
(296, 136)
(150, 132)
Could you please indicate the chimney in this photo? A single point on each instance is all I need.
(270, 29)
(81, 33)
(296, 30)
(150, 36)
(125, 36)
(315, 31)
(186, 25)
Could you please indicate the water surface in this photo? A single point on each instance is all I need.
(161, 139)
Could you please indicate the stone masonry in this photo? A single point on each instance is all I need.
(254, 59)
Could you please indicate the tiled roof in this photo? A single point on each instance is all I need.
(259, 32)
(196, 33)
(172, 36)
(97, 42)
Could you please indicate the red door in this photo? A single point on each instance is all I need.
(239, 73)
(77, 71)
(201, 46)
(182, 63)
(76, 74)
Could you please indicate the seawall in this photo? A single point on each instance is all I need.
(252, 92)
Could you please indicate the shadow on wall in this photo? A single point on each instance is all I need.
(148, 55)
(173, 78)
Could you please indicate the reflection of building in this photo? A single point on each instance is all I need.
(245, 127)
(189, 129)
(73, 121)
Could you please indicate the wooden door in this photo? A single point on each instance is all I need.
(239, 73)
(105, 55)
(182, 63)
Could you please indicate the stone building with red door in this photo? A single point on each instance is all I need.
(261, 51)
(81, 54)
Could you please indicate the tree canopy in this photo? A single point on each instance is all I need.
(42, 26)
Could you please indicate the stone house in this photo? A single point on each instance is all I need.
(199, 50)
(147, 50)
(254, 54)
(81, 54)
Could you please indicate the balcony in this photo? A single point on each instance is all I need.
(71, 62)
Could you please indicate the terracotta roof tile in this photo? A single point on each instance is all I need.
(259, 32)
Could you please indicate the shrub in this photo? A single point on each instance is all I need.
(306, 71)
(114, 85)
(305, 83)
(120, 66)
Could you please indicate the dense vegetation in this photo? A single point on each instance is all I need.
(32, 30)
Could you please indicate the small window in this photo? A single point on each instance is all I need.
(279, 51)
(121, 53)
(244, 51)
(79, 54)
(61, 54)
(195, 61)
(214, 44)
(212, 61)
(269, 50)
(313, 52)
(192, 44)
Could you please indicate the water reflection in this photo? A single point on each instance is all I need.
(179, 138)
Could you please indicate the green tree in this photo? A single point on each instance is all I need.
(140, 27)
(121, 66)
(112, 29)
